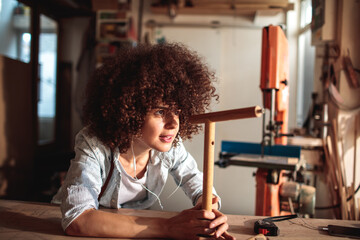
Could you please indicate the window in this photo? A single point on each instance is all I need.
(15, 43)
(47, 84)
(15, 35)
(25, 47)
(305, 63)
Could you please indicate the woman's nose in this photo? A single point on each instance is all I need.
(172, 120)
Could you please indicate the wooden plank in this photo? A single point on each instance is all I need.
(250, 6)
(26, 220)
(337, 175)
(192, 11)
(248, 10)
(350, 204)
(331, 178)
(358, 211)
(356, 124)
(234, 114)
(206, 2)
(341, 173)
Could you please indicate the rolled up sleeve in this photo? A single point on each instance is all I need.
(77, 200)
(82, 184)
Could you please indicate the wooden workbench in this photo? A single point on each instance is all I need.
(26, 220)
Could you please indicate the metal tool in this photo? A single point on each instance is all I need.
(267, 226)
(342, 231)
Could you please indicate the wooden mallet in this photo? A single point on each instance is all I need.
(209, 145)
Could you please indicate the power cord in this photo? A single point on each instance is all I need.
(338, 205)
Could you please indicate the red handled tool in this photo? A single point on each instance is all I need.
(267, 226)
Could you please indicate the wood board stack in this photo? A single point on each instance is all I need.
(342, 193)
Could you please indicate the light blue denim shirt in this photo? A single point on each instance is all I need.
(90, 167)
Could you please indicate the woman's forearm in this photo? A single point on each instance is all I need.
(97, 223)
(188, 224)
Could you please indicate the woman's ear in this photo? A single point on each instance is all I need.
(137, 135)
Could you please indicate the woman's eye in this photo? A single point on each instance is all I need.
(160, 112)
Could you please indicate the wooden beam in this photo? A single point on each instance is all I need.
(356, 124)
(234, 114)
(238, 10)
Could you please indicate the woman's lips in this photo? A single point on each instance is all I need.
(166, 138)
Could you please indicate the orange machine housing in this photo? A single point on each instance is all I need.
(267, 194)
(275, 75)
(274, 78)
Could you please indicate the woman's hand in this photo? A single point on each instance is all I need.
(196, 222)
(220, 222)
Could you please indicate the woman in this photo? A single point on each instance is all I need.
(136, 115)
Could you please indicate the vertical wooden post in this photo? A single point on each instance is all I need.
(209, 146)
(209, 149)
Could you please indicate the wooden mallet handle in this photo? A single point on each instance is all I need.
(209, 145)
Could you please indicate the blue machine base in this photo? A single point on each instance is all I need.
(255, 148)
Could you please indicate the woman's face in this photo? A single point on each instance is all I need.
(160, 128)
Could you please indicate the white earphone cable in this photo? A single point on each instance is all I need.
(176, 188)
(134, 160)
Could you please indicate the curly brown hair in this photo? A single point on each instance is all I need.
(126, 87)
